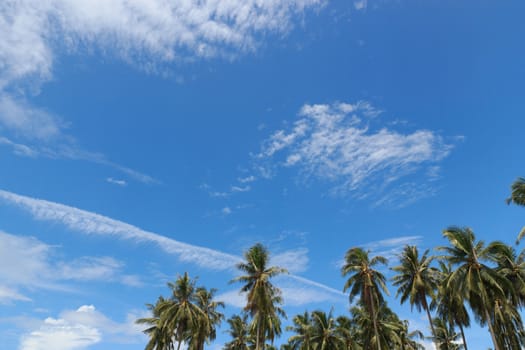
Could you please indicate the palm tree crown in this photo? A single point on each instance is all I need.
(263, 297)
(416, 279)
(365, 281)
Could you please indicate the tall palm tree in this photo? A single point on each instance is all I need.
(324, 332)
(407, 338)
(449, 303)
(181, 314)
(512, 267)
(388, 324)
(517, 196)
(158, 338)
(445, 337)
(263, 297)
(240, 333)
(209, 320)
(416, 280)
(366, 282)
(478, 282)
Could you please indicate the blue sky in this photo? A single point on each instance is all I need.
(141, 139)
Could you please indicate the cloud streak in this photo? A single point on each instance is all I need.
(92, 223)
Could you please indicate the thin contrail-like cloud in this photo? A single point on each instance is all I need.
(92, 223)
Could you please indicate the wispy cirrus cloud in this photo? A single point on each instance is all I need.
(338, 144)
(142, 32)
(71, 152)
(92, 223)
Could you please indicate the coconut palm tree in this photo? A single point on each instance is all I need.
(346, 330)
(324, 332)
(478, 282)
(388, 327)
(445, 337)
(449, 303)
(240, 333)
(416, 280)
(366, 282)
(512, 267)
(180, 314)
(407, 338)
(209, 320)
(302, 329)
(159, 339)
(517, 196)
(263, 297)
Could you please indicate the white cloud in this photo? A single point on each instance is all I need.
(66, 151)
(60, 335)
(8, 295)
(293, 295)
(226, 211)
(295, 261)
(233, 298)
(336, 143)
(392, 247)
(79, 329)
(89, 269)
(19, 149)
(121, 183)
(19, 117)
(36, 268)
(240, 189)
(247, 179)
(91, 223)
(138, 31)
(360, 4)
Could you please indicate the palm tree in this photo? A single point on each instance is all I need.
(407, 338)
(324, 332)
(209, 320)
(416, 280)
(449, 303)
(346, 330)
(445, 337)
(263, 297)
(158, 338)
(365, 281)
(517, 197)
(240, 333)
(180, 314)
(389, 327)
(302, 329)
(478, 282)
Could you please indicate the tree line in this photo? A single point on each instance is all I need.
(466, 279)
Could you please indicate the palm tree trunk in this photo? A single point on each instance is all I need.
(491, 330)
(374, 320)
(463, 336)
(257, 341)
(425, 306)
